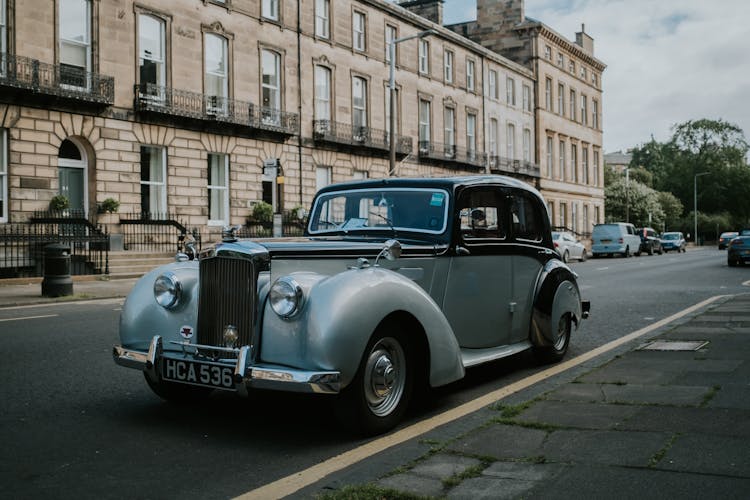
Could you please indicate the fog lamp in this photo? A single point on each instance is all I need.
(230, 336)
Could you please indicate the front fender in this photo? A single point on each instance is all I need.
(340, 315)
(556, 294)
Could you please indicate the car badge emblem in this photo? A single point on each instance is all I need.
(186, 332)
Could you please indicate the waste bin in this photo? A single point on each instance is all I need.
(57, 281)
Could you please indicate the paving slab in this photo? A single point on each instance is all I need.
(716, 421)
(626, 448)
(721, 455)
(441, 465)
(502, 442)
(414, 484)
(732, 396)
(578, 415)
(490, 488)
(656, 394)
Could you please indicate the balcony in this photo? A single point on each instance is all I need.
(348, 135)
(502, 165)
(452, 154)
(213, 111)
(36, 82)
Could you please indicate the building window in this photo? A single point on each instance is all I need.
(360, 174)
(595, 166)
(594, 79)
(322, 93)
(563, 214)
(271, 86)
(449, 117)
(3, 175)
(359, 102)
(151, 48)
(493, 137)
(358, 31)
(424, 57)
(572, 67)
(217, 81)
(526, 98)
(595, 114)
(218, 189)
(584, 110)
(573, 104)
(510, 138)
(322, 177)
(390, 35)
(560, 99)
(561, 160)
(548, 52)
(574, 162)
(323, 18)
(470, 75)
(550, 159)
(3, 35)
(586, 225)
(424, 123)
(471, 134)
(153, 181)
(492, 82)
(548, 94)
(510, 91)
(574, 216)
(75, 42)
(270, 9)
(585, 163)
(597, 219)
(584, 73)
(560, 60)
(448, 58)
(526, 145)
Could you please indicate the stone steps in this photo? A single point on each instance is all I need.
(135, 264)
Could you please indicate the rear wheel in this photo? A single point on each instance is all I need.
(555, 352)
(566, 256)
(584, 255)
(626, 253)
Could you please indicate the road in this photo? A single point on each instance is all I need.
(74, 425)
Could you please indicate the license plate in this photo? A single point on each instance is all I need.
(606, 241)
(198, 373)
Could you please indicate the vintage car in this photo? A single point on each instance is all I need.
(398, 282)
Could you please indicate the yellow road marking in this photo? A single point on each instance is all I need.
(295, 482)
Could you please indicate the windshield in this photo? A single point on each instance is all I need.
(380, 210)
(670, 236)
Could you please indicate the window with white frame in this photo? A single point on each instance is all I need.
(548, 52)
(595, 166)
(217, 74)
(322, 177)
(563, 214)
(572, 67)
(574, 216)
(560, 60)
(322, 93)
(390, 35)
(323, 18)
(597, 215)
(585, 163)
(424, 123)
(492, 83)
(510, 139)
(3, 35)
(574, 162)
(153, 180)
(152, 53)
(360, 174)
(526, 98)
(584, 73)
(3, 175)
(594, 79)
(218, 189)
(358, 31)
(359, 102)
(560, 99)
(424, 57)
(471, 133)
(550, 159)
(493, 137)
(526, 145)
(448, 58)
(584, 110)
(595, 114)
(573, 105)
(271, 86)
(75, 42)
(586, 226)
(548, 94)
(470, 82)
(270, 9)
(449, 119)
(510, 91)
(561, 160)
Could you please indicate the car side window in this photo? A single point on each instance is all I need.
(526, 218)
(480, 213)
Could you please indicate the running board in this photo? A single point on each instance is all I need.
(473, 357)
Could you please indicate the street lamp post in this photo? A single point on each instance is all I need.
(627, 194)
(392, 93)
(695, 204)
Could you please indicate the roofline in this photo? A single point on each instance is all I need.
(547, 32)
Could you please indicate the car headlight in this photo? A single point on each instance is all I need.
(286, 297)
(167, 290)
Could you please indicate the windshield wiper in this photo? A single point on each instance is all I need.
(387, 221)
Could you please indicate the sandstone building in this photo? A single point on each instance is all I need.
(198, 109)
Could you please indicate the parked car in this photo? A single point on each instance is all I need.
(650, 241)
(398, 283)
(568, 246)
(725, 238)
(615, 238)
(738, 251)
(673, 240)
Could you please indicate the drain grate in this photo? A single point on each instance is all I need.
(673, 345)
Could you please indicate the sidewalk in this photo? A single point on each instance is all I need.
(22, 292)
(657, 419)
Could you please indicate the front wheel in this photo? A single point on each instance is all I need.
(556, 352)
(376, 400)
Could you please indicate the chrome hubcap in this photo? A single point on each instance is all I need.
(385, 376)
(562, 331)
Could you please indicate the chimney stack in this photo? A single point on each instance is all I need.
(429, 9)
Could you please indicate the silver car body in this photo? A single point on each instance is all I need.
(568, 246)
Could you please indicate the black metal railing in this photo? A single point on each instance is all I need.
(502, 165)
(291, 226)
(451, 153)
(352, 135)
(156, 232)
(152, 98)
(58, 80)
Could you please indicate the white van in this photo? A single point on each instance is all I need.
(615, 238)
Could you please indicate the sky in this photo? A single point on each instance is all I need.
(668, 61)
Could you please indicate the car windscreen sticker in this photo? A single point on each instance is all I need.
(187, 332)
(437, 200)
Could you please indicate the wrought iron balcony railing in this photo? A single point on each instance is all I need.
(451, 153)
(343, 133)
(24, 74)
(152, 98)
(502, 165)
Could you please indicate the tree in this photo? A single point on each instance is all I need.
(632, 201)
(672, 208)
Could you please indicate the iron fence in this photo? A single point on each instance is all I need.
(291, 226)
(343, 133)
(451, 153)
(156, 232)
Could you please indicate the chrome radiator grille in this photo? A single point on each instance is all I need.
(227, 297)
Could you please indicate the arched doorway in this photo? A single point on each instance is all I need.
(72, 165)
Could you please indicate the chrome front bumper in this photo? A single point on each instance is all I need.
(246, 375)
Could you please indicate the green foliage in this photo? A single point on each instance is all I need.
(672, 208)
(634, 202)
(109, 206)
(368, 492)
(59, 202)
(262, 212)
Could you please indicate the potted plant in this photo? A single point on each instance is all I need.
(59, 203)
(107, 210)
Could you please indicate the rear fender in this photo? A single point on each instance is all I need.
(557, 294)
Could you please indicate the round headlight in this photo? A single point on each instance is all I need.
(167, 290)
(286, 297)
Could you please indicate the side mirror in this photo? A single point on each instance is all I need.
(391, 251)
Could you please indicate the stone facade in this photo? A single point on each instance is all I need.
(492, 99)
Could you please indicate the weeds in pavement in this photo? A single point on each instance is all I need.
(369, 492)
(709, 396)
(660, 454)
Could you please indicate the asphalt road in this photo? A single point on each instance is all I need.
(74, 425)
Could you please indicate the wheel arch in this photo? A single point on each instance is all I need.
(557, 294)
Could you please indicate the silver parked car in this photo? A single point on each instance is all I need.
(398, 282)
(568, 246)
